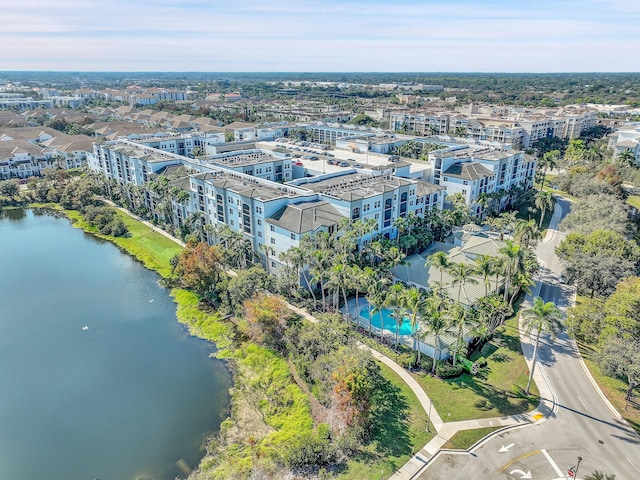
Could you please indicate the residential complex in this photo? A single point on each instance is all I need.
(519, 127)
(259, 194)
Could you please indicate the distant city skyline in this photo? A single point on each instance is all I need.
(313, 36)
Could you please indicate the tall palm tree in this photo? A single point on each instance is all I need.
(485, 267)
(548, 161)
(458, 318)
(542, 317)
(512, 256)
(435, 323)
(543, 201)
(525, 232)
(440, 260)
(377, 297)
(462, 274)
(394, 302)
(415, 302)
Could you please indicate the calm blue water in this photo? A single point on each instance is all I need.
(389, 322)
(129, 397)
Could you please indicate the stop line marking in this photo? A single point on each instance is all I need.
(553, 464)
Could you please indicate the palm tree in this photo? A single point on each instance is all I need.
(543, 317)
(548, 161)
(440, 260)
(457, 318)
(462, 274)
(298, 257)
(543, 201)
(415, 302)
(485, 267)
(525, 232)
(513, 261)
(377, 297)
(394, 302)
(626, 157)
(435, 323)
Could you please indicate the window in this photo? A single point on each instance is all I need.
(365, 208)
(273, 240)
(273, 264)
(259, 221)
(355, 214)
(259, 210)
(259, 234)
(231, 212)
(293, 236)
(231, 222)
(272, 228)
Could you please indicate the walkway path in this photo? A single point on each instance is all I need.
(445, 431)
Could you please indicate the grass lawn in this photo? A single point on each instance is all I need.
(399, 446)
(147, 245)
(634, 201)
(495, 391)
(466, 438)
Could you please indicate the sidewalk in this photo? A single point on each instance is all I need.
(420, 461)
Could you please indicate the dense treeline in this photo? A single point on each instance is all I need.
(602, 256)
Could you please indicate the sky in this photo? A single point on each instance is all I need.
(321, 36)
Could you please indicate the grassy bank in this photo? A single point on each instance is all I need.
(495, 391)
(268, 409)
(149, 246)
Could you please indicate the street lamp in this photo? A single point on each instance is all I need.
(573, 471)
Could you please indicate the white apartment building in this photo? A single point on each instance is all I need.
(272, 216)
(472, 171)
(626, 139)
(516, 127)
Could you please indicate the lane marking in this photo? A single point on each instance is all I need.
(553, 464)
(582, 402)
(632, 464)
(521, 457)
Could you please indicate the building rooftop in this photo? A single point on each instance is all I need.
(250, 187)
(306, 217)
(468, 171)
(354, 186)
(240, 158)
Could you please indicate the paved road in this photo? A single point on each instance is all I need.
(581, 424)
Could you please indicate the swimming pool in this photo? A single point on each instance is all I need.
(388, 321)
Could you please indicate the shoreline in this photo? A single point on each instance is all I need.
(200, 324)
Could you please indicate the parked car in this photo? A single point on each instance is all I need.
(343, 164)
(357, 165)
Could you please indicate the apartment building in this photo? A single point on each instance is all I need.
(520, 128)
(229, 188)
(472, 171)
(626, 139)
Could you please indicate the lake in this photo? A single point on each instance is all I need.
(98, 380)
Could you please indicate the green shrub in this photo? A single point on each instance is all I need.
(446, 370)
